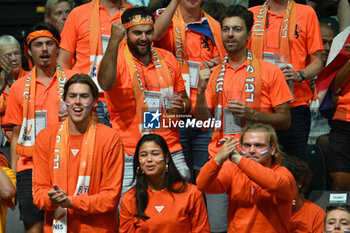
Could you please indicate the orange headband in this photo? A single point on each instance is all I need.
(41, 33)
(138, 20)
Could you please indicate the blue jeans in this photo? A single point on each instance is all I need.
(103, 114)
(195, 143)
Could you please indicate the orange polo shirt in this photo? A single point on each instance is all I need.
(76, 34)
(199, 48)
(307, 41)
(274, 90)
(167, 212)
(92, 212)
(46, 99)
(342, 111)
(259, 198)
(121, 100)
(309, 219)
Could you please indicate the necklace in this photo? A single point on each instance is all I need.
(154, 190)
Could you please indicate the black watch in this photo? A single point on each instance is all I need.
(302, 75)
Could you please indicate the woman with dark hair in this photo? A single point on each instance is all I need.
(161, 201)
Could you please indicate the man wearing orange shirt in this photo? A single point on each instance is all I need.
(194, 37)
(288, 35)
(85, 37)
(78, 178)
(260, 191)
(35, 102)
(140, 80)
(241, 89)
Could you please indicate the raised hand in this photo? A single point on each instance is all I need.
(229, 146)
(204, 76)
(118, 31)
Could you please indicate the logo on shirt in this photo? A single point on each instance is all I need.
(74, 151)
(205, 43)
(26, 136)
(151, 120)
(297, 31)
(159, 208)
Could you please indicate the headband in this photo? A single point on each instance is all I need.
(41, 33)
(138, 20)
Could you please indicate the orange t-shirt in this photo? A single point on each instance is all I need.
(309, 219)
(307, 41)
(274, 90)
(167, 212)
(199, 48)
(121, 100)
(342, 111)
(46, 99)
(93, 212)
(259, 198)
(76, 34)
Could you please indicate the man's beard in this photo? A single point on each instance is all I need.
(137, 52)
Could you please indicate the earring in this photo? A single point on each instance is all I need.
(139, 171)
(300, 189)
(166, 168)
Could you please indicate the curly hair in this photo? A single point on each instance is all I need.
(300, 170)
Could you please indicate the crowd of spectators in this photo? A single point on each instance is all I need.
(176, 115)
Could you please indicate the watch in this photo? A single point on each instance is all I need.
(302, 75)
